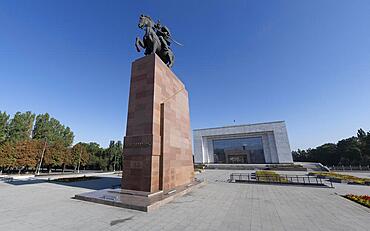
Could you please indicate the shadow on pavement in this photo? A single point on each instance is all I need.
(17, 182)
(93, 184)
(115, 222)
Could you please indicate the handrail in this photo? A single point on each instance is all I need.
(350, 168)
(286, 179)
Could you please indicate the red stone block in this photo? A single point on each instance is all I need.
(157, 146)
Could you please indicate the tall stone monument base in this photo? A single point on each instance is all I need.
(157, 152)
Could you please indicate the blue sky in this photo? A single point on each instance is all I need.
(305, 62)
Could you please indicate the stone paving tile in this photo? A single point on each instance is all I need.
(215, 206)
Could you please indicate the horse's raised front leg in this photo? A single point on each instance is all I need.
(138, 44)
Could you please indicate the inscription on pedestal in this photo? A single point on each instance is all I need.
(137, 145)
(138, 142)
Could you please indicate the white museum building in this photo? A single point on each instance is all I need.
(261, 143)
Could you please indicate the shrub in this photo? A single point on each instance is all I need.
(337, 176)
(361, 199)
(269, 176)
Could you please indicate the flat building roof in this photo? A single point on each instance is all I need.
(240, 125)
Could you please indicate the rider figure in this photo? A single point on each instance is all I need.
(164, 35)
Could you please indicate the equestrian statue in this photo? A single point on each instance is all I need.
(157, 39)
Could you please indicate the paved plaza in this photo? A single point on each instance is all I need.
(38, 205)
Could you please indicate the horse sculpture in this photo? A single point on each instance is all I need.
(152, 43)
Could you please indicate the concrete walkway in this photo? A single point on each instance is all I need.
(216, 206)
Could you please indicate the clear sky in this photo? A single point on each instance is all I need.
(305, 62)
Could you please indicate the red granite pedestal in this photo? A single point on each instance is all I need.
(157, 146)
(157, 152)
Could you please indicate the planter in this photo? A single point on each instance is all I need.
(360, 199)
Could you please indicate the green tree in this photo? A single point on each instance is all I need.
(4, 122)
(50, 129)
(302, 155)
(20, 127)
(366, 152)
(114, 154)
(96, 154)
(361, 134)
(43, 129)
(93, 148)
(54, 154)
(58, 137)
(364, 144)
(68, 137)
(119, 155)
(66, 158)
(326, 154)
(349, 151)
(80, 156)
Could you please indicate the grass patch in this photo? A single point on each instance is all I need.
(338, 176)
(360, 199)
(75, 179)
(269, 176)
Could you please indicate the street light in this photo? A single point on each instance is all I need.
(42, 157)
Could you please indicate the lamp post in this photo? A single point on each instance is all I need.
(79, 160)
(42, 157)
(114, 164)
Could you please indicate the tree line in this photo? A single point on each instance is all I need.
(29, 142)
(351, 151)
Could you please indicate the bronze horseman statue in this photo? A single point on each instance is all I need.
(157, 39)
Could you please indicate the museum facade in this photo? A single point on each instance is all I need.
(261, 143)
